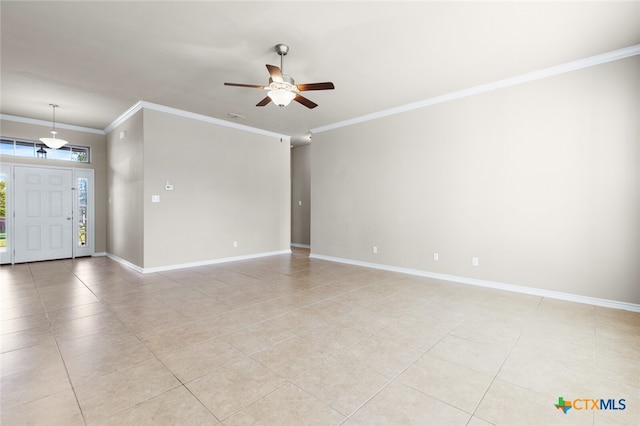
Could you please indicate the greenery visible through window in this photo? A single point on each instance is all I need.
(26, 148)
(3, 211)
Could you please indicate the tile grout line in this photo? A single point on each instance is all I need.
(505, 360)
(57, 316)
(155, 356)
(594, 360)
(55, 339)
(183, 384)
(393, 379)
(129, 367)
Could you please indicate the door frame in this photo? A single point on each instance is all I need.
(8, 257)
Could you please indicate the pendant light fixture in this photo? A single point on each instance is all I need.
(53, 142)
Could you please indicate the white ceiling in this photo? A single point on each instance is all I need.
(97, 59)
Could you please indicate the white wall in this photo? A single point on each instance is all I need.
(540, 181)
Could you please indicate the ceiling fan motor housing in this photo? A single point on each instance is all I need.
(287, 83)
(282, 49)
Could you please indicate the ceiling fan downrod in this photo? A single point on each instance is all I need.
(282, 49)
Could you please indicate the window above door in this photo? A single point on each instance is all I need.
(35, 149)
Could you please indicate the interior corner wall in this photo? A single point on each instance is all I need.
(229, 185)
(301, 195)
(126, 191)
(540, 182)
(97, 143)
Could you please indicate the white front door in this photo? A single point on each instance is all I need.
(43, 214)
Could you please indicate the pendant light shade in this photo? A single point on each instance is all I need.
(53, 142)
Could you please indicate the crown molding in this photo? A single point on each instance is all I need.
(191, 115)
(37, 122)
(123, 117)
(146, 105)
(484, 88)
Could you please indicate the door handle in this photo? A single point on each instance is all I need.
(69, 218)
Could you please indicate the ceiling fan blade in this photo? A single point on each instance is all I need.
(264, 102)
(251, 86)
(316, 86)
(304, 101)
(275, 73)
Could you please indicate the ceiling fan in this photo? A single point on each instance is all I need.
(282, 88)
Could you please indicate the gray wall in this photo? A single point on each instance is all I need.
(229, 185)
(301, 193)
(540, 181)
(126, 190)
(98, 146)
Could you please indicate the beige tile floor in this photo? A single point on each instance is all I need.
(288, 340)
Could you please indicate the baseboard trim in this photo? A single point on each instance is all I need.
(125, 262)
(194, 264)
(307, 246)
(485, 283)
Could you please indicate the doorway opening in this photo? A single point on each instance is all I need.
(46, 213)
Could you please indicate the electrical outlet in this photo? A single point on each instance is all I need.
(375, 249)
(436, 257)
(235, 244)
(475, 261)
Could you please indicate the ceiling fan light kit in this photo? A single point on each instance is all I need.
(54, 143)
(282, 89)
(281, 97)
